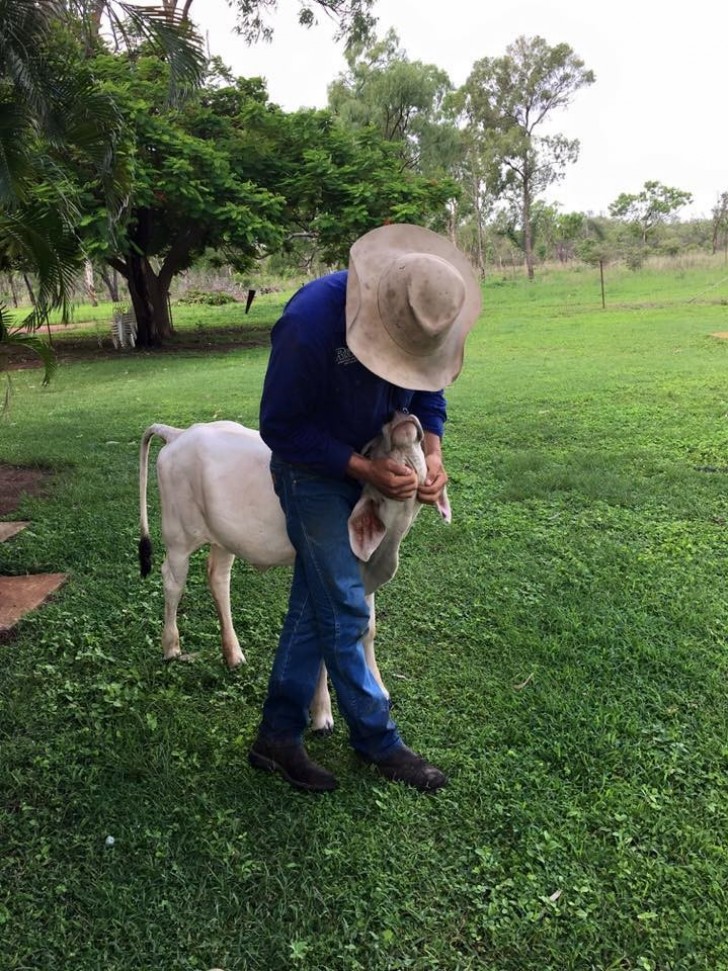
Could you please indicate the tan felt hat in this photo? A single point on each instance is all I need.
(411, 299)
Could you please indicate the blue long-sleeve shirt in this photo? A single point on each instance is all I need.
(319, 404)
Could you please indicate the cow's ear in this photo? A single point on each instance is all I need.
(366, 529)
(443, 506)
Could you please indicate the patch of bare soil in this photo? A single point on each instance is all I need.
(90, 347)
(721, 335)
(15, 482)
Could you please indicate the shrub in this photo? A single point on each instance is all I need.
(213, 298)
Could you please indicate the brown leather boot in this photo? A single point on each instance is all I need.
(293, 763)
(404, 765)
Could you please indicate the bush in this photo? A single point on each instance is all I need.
(213, 298)
(634, 258)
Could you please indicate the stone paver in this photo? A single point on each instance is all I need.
(10, 529)
(19, 595)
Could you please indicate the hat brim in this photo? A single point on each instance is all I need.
(368, 338)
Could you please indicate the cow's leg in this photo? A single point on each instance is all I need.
(174, 574)
(369, 645)
(219, 565)
(322, 719)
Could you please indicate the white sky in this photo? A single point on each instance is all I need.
(656, 111)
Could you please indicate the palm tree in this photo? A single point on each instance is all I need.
(53, 118)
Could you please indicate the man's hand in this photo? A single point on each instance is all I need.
(393, 480)
(431, 490)
(436, 480)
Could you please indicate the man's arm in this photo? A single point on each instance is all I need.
(437, 477)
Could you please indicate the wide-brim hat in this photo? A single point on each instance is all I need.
(411, 298)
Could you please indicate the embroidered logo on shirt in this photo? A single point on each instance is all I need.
(344, 356)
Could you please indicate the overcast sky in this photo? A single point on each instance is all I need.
(656, 111)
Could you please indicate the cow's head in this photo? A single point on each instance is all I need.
(402, 431)
(401, 437)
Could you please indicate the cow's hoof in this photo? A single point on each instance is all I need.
(322, 731)
(236, 662)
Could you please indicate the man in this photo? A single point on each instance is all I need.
(350, 349)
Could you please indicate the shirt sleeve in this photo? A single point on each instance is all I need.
(431, 409)
(293, 391)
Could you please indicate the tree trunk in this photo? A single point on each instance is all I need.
(149, 291)
(527, 228)
(149, 298)
(452, 222)
(13, 289)
(88, 282)
(477, 207)
(29, 287)
(112, 283)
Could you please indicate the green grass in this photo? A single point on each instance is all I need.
(186, 317)
(560, 650)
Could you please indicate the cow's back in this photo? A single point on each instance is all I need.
(215, 487)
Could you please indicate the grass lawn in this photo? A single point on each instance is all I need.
(560, 650)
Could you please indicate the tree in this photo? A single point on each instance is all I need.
(52, 115)
(651, 207)
(339, 184)
(506, 100)
(555, 232)
(230, 172)
(399, 98)
(354, 17)
(194, 183)
(46, 109)
(407, 103)
(720, 223)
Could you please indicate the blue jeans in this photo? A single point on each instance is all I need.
(327, 617)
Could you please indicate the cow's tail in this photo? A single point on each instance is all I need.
(168, 433)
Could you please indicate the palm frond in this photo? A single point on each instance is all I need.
(25, 26)
(169, 33)
(17, 336)
(36, 237)
(16, 163)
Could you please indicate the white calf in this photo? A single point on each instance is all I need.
(215, 488)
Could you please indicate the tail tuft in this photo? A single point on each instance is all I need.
(145, 556)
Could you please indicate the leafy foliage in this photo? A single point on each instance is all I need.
(649, 208)
(505, 100)
(59, 138)
(51, 114)
(215, 298)
(401, 99)
(232, 172)
(353, 16)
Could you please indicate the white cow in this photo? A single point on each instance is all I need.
(215, 488)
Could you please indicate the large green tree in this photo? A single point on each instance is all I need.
(644, 211)
(401, 99)
(190, 189)
(406, 102)
(53, 111)
(506, 101)
(56, 124)
(229, 171)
